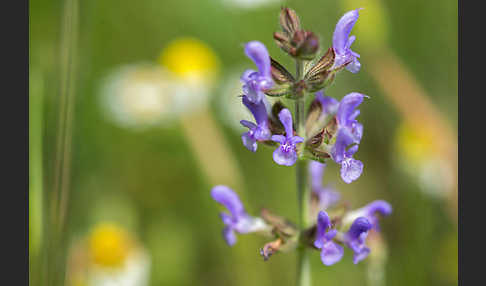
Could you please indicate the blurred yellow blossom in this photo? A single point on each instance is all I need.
(190, 59)
(109, 245)
(108, 255)
(418, 155)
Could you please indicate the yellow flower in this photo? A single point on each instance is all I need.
(415, 143)
(109, 245)
(191, 59)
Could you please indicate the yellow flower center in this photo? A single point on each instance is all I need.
(190, 58)
(415, 143)
(109, 245)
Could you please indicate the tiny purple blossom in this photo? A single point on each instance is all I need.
(254, 82)
(258, 131)
(286, 153)
(237, 220)
(371, 210)
(329, 104)
(327, 196)
(348, 137)
(331, 252)
(355, 238)
(341, 42)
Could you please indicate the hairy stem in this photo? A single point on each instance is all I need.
(303, 266)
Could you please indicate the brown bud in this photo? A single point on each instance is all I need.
(306, 45)
(270, 248)
(289, 21)
(283, 42)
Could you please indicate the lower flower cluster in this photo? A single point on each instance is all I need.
(334, 228)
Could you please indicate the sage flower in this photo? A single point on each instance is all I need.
(331, 252)
(254, 82)
(237, 220)
(327, 196)
(259, 131)
(341, 42)
(348, 136)
(370, 212)
(286, 153)
(355, 238)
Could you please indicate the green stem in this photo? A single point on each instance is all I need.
(303, 266)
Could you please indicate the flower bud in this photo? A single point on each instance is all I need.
(289, 21)
(306, 44)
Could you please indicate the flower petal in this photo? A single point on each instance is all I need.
(257, 52)
(329, 104)
(248, 124)
(283, 157)
(340, 38)
(316, 170)
(246, 75)
(279, 139)
(331, 253)
(358, 227)
(323, 223)
(296, 139)
(354, 66)
(351, 170)
(229, 236)
(379, 206)
(362, 254)
(286, 118)
(249, 141)
(228, 198)
(258, 110)
(347, 106)
(327, 197)
(344, 138)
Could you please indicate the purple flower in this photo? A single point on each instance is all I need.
(255, 81)
(341, 42)
(327, 196)
(286, 153)
(331, 252)
(258, 131)
(348, 136)
(355, 238)
(370, 212)
(329, 104)
(237, 220)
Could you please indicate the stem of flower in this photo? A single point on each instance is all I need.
(303, 266)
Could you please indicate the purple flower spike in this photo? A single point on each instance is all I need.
(258, 131)
(238, 220)
(286, 153)
(327, 196)
(331, 252)
(355, 238)
(341, 42)
(255, 81)
(348, 137)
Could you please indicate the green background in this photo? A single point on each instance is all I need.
(149, 181)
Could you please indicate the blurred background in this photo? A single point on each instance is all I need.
(134, 115)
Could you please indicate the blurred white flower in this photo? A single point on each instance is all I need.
(142, 95)
(108, 256)
(417, 156)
